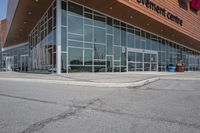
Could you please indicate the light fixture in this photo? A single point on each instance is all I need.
(110, 8)
(131, 17)
(36, 0)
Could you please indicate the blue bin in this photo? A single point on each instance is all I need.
(171, 69)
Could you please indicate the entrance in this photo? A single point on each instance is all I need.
(9, 63)
(24, 63)
(142, 60)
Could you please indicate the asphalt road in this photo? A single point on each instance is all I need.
(165, 106)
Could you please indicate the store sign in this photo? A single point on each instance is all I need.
(195, 4)
(161, 11)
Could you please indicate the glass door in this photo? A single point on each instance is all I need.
(10, 63)
(24, 63)
(131, 61)
(109, 64)
(147, 62)
(140, 60)
(154, 62)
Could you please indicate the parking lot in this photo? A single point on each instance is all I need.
(165, 106)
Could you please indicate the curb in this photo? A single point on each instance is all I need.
(144, 82)
(179, 78)
(91, 84)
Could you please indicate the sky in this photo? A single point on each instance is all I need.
(3, 9)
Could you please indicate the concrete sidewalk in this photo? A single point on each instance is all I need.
(130, 79)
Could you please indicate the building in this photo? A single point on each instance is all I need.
(101, 35)
(1, 55)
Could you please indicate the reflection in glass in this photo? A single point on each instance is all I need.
(88, 33)
(109, 64)
(99, 35)
(99, 51)
(88, 57)
(75, 24)
(109, 45)
(75, 9)
(75, 56)
(64, 13)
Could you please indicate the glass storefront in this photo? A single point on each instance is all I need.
(94, 42)
(13, 58)
(42, 41)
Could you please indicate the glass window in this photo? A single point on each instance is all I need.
(109, 25)
(99, 62)
(130, 37)
(116, 22)
(148, 41)
(75, 43)
(123, 36)
(109, 63)
(117, 36)
(99, 35)
(99, 51)
(88, 45)
(139, 57)
(88, 10)
(99, 69)
(137, 38)
(88, 18)
(75, 9)
(153, 42)
(117, 53)
(159, 44)
(50, 13)
(109, 45)
(143, 36)
(153, 58)
(131, 56)
(64, 13)
(64, 62)
(75, 25)
(143, 43)
(88, 15)
(143, 40)
(123, 59)
(75, 56)
(163, 45)
(50, 26)
(88, 33)
(88, 57)
(75, 37)
(99, 21)
(54, 16)
(63, 39)
(88, 21)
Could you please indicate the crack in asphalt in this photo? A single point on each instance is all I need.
(158, 119)
(3, 124)
(29, 99)
(41, 124)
